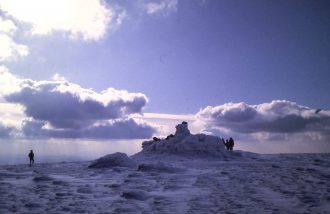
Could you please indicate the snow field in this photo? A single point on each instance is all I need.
(262, 184)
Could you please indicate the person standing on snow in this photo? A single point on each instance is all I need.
(31, 156)
(225, 143)
(231, 144)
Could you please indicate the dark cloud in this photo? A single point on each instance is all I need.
(118, 129)
(276, 117)
(67, 105)
(6, 131)
(59, 109)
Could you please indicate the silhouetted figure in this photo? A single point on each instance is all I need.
(31, 156)
(227, 144)
(231, 144)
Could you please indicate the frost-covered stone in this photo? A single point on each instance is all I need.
(113, 160)
(183, 142)
(146, 144)
(182, 130)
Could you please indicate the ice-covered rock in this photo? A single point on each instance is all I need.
(185, 143)
(182, 130)
(117, 159)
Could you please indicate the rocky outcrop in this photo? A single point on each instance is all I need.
(117, 159)
(183, 142)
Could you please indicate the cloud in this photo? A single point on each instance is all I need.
(11, 114)
(116, 129)
(7, 26)
(267, 120)
(88, 19)
(163, 6)
(67, 105)
(58, 108)
(6, 131)
(120, 17)
(10, 50)
(8, 82)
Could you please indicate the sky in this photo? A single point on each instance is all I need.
(123, 71)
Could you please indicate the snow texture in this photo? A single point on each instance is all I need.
(297, 183)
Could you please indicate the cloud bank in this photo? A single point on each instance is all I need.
(67, 105)
(117, 129)
(58, 108)
(275, 119)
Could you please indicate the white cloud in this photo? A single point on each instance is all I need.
(9, 83)
(12, 115)
(163, 6)
(87, 19)
(58, 77)
(120, 17)
(279, 119)
(7, 26)
(10, 50)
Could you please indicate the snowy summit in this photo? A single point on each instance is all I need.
(185, 143)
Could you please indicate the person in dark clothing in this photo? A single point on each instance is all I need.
(31, 156)
(227, 144)
(231, 144)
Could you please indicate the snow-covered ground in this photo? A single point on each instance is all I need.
(157, 180)
(296, 183)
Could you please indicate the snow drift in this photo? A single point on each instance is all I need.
(113, 160)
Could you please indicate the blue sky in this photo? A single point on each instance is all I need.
(181, 55)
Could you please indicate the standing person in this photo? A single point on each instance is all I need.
(224, 142)
(227, 144)
(231, 144)
(31, 156)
